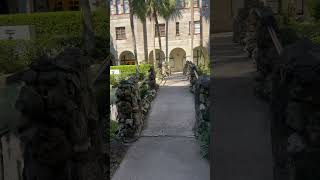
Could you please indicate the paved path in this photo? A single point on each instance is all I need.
(241, 130)
(167, 149)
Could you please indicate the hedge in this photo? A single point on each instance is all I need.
(65, 23)
(55, 31)
(128, 70)
(310, 30)
(291, 30)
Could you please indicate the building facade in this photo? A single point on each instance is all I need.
(224, 11)
(29, 6)
(178, 48)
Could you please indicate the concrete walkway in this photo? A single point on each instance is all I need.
(241, 139)
(167, 149)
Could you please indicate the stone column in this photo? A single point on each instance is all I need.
(129, 111)
(61, 134)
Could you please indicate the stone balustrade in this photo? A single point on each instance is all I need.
(289, 81)
(132, 108)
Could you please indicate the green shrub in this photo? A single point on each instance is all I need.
(128, 70)
(143, 90)
(51, 24)
(309, 30)
(288, 35)
(55, 31)
(314, 7)
(203, 69)
(113, 129)
(204, 140)
(293, 31)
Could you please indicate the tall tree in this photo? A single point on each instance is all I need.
(29, 6)
(191, 4)
(153, 9)
(134, 42)
(88, 32)
(170, 12)
(201, 29)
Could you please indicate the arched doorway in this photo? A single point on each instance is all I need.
(177, 59)
(160, 57)
(200, 56)
(127, 58)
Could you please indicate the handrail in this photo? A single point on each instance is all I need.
(143, 81)
(272, 33)
(102, 69)
(196, 73)
(4, 132)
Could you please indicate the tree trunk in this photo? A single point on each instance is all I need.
(88, 33)
(29, 6)
(167, 40)
(192, 27)
(134, 43)
(154, 44)
(145, 41)
(159, 38)
(201, 31)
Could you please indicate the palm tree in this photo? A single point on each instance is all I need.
(153, 9)
(191, 4)
(88, 33)
(170, 12)
(29, 6)
(134, 42)
(140, 9)
(201, 30)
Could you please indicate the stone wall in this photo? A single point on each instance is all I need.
(132, 106)
(202, 104)
(189, 70)
(60, 130)
(199, 86)
(290, 83)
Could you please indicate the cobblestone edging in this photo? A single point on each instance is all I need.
(132, 108)
(60, 128)
(199, 86)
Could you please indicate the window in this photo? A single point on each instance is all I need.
(121, 33)
(112, 7)
(195, 3)
(58, 5)
(196, 27)
(181, 4)
(177, 29)
(74, 5)
(126, 6)
(162, 28)
(205, 3)
(118, 4)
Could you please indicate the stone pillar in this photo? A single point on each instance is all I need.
(129, 110)
(202, 104)
(12, 157)
(61, 133)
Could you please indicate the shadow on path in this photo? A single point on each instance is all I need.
(241, 139)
